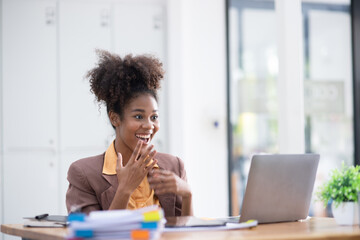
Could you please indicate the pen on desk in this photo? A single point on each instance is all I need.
(41, 216)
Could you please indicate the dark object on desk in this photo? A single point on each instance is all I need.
(190, 221)
(49, 218)
(46, 220)
(41, 216)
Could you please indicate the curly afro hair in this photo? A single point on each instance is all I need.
(115, 81)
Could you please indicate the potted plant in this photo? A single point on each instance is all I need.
(342, 189)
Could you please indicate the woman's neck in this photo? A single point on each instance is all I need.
(124, 150)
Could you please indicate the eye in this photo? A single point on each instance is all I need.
(138, 116)
(155, 117)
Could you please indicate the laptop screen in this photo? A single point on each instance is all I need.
(279, 187)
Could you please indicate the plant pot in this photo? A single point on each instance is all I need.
(347, 213)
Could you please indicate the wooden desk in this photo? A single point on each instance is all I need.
(314, 228)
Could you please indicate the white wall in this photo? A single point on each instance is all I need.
(197, 98)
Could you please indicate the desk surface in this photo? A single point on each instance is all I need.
(314, 228)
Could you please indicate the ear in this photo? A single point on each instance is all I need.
(114, 119)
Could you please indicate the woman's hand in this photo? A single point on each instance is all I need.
(132, 174)
(163, 181)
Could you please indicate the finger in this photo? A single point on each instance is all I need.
(163, 191)
(150, 167)
(157, 175)
(136, 152)
(145, 157)
(163, 172)
(161, 182)
(160, 185)
(166, 173)
(146, 149)
(154, 183)
(150, 159)
(119, 163)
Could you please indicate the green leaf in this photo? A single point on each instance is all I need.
(343, 185)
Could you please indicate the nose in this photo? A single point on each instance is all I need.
(148, 124)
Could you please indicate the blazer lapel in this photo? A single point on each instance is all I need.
(108, 195)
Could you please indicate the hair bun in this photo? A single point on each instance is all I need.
(115, 81)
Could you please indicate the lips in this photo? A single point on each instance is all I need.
(144, 137)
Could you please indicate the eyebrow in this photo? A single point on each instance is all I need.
(142, 110)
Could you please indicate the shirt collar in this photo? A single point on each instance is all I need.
(110, 160)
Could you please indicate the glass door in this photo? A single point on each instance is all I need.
(253, 88)
(328, 90)
(254, 91)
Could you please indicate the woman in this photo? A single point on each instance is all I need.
(130, 174)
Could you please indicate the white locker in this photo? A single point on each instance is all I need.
(85, 129)
(30, 185)
(29, 109)
(50, 117)
(29, 75)
(82, 124)
(140, 29)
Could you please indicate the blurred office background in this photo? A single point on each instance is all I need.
(242, 77)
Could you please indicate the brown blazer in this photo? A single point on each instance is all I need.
(92, 190)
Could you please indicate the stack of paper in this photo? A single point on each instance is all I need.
(144, 223)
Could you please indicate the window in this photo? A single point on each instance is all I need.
(254, 95)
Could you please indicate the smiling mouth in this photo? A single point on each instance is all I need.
(144, 137)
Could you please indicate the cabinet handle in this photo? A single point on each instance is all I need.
(157, 22)
(104, 18)
(50, 16)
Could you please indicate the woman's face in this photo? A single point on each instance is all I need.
(140, 122)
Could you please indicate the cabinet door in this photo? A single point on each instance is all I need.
(82, 124)
(29, 108)
(139, 29)
(85, 128)
(29, 75)
(30, 185)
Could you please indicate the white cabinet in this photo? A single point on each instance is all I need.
(29, 75)
(139, 29)
(30, 186)
(85, 128)
(82, 124)
(30, 119)
(50, 117)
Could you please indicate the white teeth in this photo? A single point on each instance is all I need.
(142, 136)
(145, 138)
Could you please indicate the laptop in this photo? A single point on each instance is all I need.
(279, 187)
